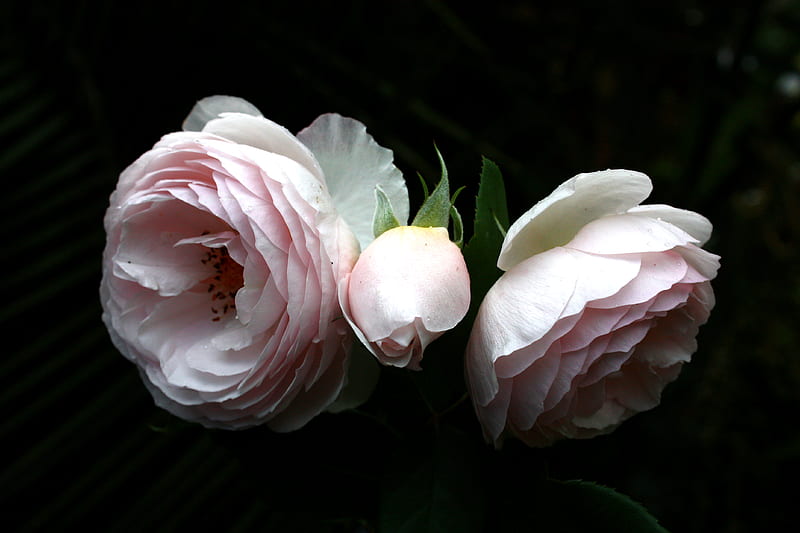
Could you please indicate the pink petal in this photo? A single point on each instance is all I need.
(494, 414)
(263, 134)
(432, 285)
(658, 273)
(607, 417)
(593, 323)
(530, 389)
(638, 387)
(508, 366)
(149, 252)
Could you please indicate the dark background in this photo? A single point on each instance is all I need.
(702, 96)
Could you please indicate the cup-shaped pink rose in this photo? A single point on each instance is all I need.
(408, 287)
(597, 311)
(225, 247)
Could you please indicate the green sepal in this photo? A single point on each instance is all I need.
(425, 192)
(458, 227)
(455, 216)
(435, 211)
(384, 218)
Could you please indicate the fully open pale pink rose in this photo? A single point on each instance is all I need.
(408, 287)
(597, 311)
(225, 246)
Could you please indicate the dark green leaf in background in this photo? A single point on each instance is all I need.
(484, 246)
(579, 506)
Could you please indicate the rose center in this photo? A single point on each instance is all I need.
(222, 286)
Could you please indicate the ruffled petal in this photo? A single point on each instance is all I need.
(626, 234)
(354, 164)
(531, 388)
(659, 272)
(150, 253)
(555, 220)
(520, 308)
(212, 107)
(262, 133)
(692, 223)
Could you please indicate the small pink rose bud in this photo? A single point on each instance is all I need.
(408, 287)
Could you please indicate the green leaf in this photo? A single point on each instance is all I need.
(491, 219)
(435, 211)
(384, 218)
(601, 508)
(575, 506)
(433, 487)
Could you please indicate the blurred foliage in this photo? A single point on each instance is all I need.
(702, 96)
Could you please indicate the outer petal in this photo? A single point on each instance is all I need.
(556, 219)
(354, 164)
(266, 135)
(212, 107)
(692, 223)
(625, 234)
(520, 308)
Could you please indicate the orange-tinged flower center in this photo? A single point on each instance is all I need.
(228, 278)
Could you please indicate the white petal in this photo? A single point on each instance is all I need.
(354, 164)
(212, 107)
(704, 265)
(555, 220)
(204, 357)
(626, 234)
(177, 326)
(263, 134)
(692, 223)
